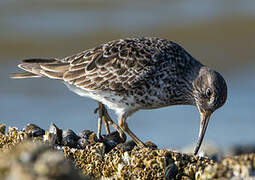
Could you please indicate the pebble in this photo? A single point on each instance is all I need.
(34, 130)
(57, 133)
(111, 141)
(69, 138)
(171, 171)
(128, 146)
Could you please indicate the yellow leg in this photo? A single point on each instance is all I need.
(123, 125)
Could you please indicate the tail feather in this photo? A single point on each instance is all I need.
(38, 61)
(55, 67)
(51, 68)
(52, 75)
(23, 75)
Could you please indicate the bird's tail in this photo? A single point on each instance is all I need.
(51, 68)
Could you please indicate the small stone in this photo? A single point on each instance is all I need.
(49, 138)
(57, 132)
(82, 142)
(151, 145)
(87, 138)
(85, 134)
(111, 141)
(70, 138)
(128, 146)
(114, 136)
(171, 171)
(34, 130)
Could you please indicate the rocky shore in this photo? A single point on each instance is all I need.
(34, 153)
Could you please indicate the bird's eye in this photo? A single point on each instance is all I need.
(208, 92)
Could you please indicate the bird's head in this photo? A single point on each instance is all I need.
(210, 93)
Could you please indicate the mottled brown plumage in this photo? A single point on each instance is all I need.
(136, 73)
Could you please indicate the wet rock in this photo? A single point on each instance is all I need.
(56, 133)
(114, 136)
(34, 130)
(151, 145)
(171, 172)
(70, 138)
(127, 146)
(112, 140)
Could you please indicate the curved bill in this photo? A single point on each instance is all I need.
(204, 119)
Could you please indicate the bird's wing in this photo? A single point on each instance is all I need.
(117, 65)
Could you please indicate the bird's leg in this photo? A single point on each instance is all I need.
(107, 120)
(123, 125)
(106, 125)
(99, 122)
(101, 113)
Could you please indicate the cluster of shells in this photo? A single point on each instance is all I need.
(110, 158)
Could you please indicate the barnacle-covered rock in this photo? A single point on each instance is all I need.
(107, 158)
(242, 167)
(13, 137)
(138, 163)
(31, 161)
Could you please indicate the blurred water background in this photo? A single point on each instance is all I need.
(219, 33)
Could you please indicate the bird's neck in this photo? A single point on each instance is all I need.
(185, 80)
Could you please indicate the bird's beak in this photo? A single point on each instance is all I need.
(204, 119)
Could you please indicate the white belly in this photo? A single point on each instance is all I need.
(110, 99)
